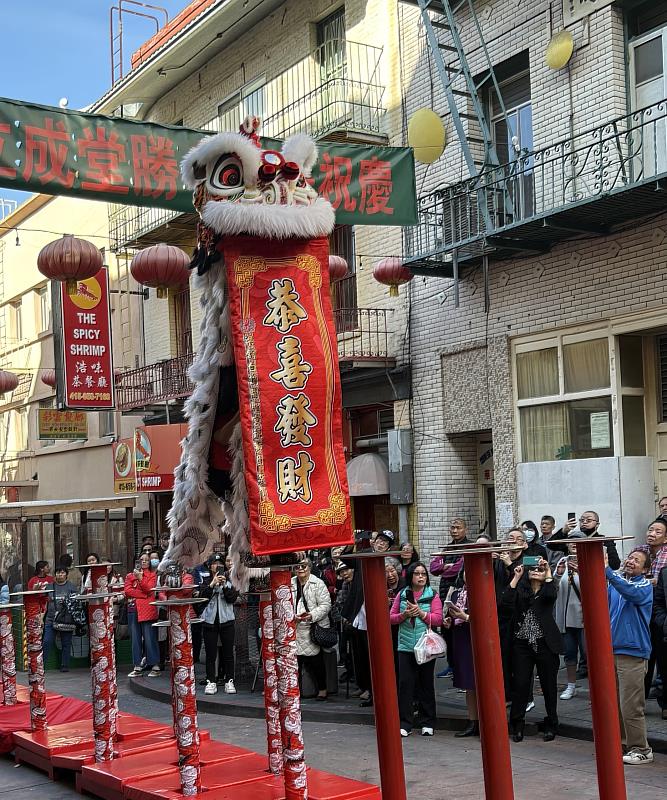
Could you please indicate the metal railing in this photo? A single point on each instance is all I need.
(129, 223)
(626, 151)
(154, 383)
(337, 86)
(362, 334)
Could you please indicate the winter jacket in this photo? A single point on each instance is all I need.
(409, 633)
(141, 590)
(56, 599)
(318, 601)
(568, 611)
(516, 602)
(630, 605)
(221, 599)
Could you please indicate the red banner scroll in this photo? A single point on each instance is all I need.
(289, 393)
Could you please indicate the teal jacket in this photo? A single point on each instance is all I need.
(409, 634)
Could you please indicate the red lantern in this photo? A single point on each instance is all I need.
(8, 381)
(392, 273)
(337, 268)
(161, 267)
(69, 260)
(49, 377)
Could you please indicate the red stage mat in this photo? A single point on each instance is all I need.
(107, 780)
(58, 708)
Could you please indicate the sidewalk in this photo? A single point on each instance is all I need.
(574, 715)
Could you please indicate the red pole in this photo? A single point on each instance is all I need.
(99, 582)
(34, 610)
(7, 657)
(485, 638)
(104, 720)
(271, 705)
(601, 671)
(287, 671)
(385, 700)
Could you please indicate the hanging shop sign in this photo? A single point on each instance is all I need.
(55, 151)
(289, 393)
(124, 475)
(53, 424)
(574, 10)
(157, 451)
(82, 326)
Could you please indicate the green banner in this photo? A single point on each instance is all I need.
(54, 151)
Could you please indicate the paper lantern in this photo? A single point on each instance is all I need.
(559, 50)
(8, 381)
(337, 268)
(392, 273)
(69, 260)
(161, 267)
(49, 377)
(426, 135)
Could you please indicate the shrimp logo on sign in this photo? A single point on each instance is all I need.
(142, 449)
(88, 294)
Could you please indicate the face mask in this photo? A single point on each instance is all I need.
(155, 562)
(529, 535)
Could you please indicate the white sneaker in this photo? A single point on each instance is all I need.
(427, 731)
(211, 688)
(136, 672)
(635, 758)
(405, 733)
(530, 706)
(229, 687)
(154, 673)
(569, 692)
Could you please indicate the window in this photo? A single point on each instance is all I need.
(183, 323)
(106, 423)
(44, 309)
(565, 394)
(248, 101)
(16, 320)
(512, 134)
(21, 428)
(344, 292)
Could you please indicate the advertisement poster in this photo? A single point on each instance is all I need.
(85, 352)
(157, 451)
(124, 476)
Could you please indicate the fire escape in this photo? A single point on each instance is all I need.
(581, 186)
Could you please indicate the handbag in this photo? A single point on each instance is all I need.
(63, 619)
(429, 646)
(326, 638)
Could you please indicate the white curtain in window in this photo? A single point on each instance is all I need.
(586, 365)
(537, 373)
(544, 431)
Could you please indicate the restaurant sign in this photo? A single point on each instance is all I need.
(157, 451)
(83, 351)
(56, 151)
(53, 424)
(124, 476)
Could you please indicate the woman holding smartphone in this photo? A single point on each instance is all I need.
(139, 585)
(536, 642)
(415, 609)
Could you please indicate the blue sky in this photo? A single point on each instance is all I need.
(60, 48)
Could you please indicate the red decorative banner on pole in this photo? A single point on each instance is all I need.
(271, 705)
(87, 359)
(33, 628)
(100, 630)
(289, 393)
(7, 657)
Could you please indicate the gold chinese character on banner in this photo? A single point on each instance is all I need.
(294, 371)
(284, 308)
(294, 419)
(294, 478)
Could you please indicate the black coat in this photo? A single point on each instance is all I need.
(660, 603)
(515, 603)
(612, 553)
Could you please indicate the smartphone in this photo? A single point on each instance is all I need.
(571, 515)
(137, 565)
(449, 604)
(410, 596)
(531, 561)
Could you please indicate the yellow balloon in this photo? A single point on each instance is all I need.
(559, 50)
(426, 135)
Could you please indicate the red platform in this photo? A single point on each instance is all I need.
(59, 710)
(107, 780)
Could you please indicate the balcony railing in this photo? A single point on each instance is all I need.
(154, 384)
(626, 152)
(335, 87)
(362, 336)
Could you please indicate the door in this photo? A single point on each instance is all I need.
(486, 484)
(648, 68)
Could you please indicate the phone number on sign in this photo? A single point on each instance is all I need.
(90, 396)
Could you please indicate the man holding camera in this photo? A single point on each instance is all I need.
(589, 522)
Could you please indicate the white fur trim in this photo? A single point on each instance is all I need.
(207, 152)
(270, 222)
(301, 149)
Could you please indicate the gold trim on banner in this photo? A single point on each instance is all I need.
(245, 269)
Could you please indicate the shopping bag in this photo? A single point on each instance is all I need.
(430, 646)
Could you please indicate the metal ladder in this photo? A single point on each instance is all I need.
(442, 30)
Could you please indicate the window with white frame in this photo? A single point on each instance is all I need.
(21, 428)
(249, 101)
(567, 388)
(16, 320)
(44, 309)
(107, 423)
